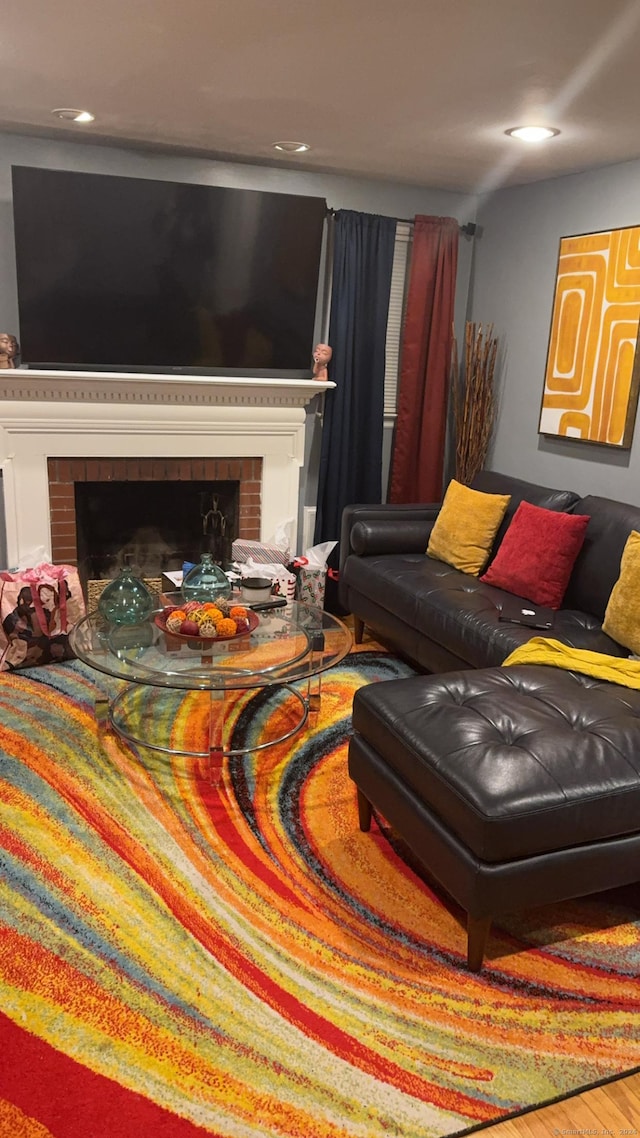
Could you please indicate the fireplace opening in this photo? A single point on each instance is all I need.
(153, 526)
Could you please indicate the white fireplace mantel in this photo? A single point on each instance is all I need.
(118, 387)
(57, 414)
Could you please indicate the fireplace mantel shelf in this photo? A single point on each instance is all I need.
(126, 387)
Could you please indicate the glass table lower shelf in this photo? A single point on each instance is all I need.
(151, 718)
(183, 697)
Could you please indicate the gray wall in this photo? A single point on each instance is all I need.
(386, 198)
(512, 286)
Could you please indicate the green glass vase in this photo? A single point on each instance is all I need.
(205, 582)
(126, 600)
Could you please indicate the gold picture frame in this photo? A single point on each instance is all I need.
(592, 376)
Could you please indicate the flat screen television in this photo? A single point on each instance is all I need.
(136, 274)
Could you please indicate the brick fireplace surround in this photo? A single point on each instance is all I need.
(59, 427)
(65, 472)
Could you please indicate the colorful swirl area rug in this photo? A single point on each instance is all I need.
(189, 953)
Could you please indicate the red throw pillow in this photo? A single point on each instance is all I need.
(537, 554)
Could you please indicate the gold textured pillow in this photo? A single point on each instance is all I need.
(466, 526)
(622, 618)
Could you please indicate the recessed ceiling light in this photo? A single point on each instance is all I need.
(72, 114)
(532, 133)
(292, 147)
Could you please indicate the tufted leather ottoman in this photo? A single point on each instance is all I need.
(513, 786)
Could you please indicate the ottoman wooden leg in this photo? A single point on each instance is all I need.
(364, 812)
(358, 629)
(477, 933)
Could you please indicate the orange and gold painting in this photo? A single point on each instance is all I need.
(593, 370)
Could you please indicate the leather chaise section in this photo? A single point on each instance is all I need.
(516, 762)
(486, 888)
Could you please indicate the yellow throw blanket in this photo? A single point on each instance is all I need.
(540, 650)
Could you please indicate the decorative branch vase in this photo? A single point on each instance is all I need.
(474, 400)
(126, 600)
(206, 581)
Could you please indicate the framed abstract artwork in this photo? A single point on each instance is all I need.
(592, 376)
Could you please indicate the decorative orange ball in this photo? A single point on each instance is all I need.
(226, 627)
(238, 612)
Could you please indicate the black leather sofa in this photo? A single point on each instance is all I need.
(441, 619)
(513, 786)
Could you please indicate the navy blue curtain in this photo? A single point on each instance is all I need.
(351, 449)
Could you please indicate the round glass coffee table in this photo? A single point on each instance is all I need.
(287, 653)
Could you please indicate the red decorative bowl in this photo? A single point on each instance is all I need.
(253, 620)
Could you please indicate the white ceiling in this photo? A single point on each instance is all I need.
(417, 91)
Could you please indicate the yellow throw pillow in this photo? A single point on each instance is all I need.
(466, 526)
(622, 618)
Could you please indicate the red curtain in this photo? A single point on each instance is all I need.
(417, 464)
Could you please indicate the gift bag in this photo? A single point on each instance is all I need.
(310, 588)
(38, 608)
(311, 569)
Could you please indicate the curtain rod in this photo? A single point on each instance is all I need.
(469, 228)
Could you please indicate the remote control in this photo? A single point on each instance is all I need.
(276, 603)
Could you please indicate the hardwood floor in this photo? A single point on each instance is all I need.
(611, 1111)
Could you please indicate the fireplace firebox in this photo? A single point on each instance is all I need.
(153, 526)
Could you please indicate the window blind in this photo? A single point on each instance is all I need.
(395, 319)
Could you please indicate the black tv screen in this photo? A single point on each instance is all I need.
(136, 274)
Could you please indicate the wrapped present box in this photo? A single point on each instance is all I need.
(245, 550)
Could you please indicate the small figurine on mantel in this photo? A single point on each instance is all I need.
(322, 353)
(9, 351)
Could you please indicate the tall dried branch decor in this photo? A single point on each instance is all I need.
(474, 399)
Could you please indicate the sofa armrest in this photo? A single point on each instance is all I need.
(401, 536)
(394, 519)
